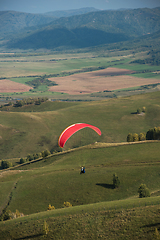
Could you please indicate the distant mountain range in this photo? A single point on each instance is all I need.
(11, 21)
(81, 28)
(69, 13)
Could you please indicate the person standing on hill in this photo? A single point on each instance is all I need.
(83, 170)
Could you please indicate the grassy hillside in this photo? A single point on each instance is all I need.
(57, 179)
(99, 210)
(97, 206)
(26, 131)
(133, 224)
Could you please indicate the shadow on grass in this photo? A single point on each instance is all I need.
(153, 225)
(29, 237)
(105, 185)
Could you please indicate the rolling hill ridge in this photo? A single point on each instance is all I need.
(91, 29)
(11, 21)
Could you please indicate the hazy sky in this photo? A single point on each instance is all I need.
(41, 6)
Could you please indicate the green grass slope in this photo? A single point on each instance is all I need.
(91, 222)
(57, 179)
(24, 133)
(99, 210)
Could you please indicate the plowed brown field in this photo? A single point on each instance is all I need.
(101, 80)
(10, 86)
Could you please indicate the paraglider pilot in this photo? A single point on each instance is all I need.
(82, 170)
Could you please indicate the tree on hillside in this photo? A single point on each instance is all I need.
(5, 164)
(37, 155)
(142, 136)
(116, 181)
(135, 137)
(143, 191)
(19, 103)
(139, 110)
(153, 134)
(130, 137)
(30, 157)
(156, 133)
(144, 109)
(22, 160)
(38, 102)
(45, 153)
(149, 134)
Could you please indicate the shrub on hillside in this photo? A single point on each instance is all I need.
(22, 160)
(67, 204)
(37, 155)
(139, 110)
(143, 191)
(5, 164)
(50, 207)
(38, 102)
(144, 109)
(45, 153)
(116, 181)
(45, 228)
(7, 215)
(30, 157)
(17, 214)
(157, 234)
(19, 103)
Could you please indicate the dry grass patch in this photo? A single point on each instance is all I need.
(10, 86)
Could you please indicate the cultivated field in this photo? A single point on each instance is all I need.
(107, 79)
(78, 75)
(85, 83)
(10, 86)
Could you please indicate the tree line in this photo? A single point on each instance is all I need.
(28, 101)
(35, 156)
(154, 59)
(7, 164)
(152, 134)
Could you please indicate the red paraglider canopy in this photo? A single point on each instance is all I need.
(69, 131)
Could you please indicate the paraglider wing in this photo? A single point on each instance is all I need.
(69, 131)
